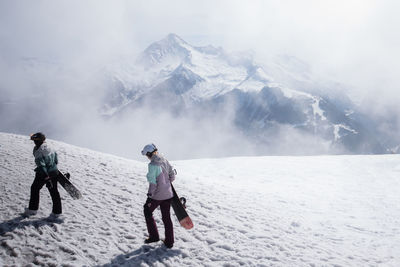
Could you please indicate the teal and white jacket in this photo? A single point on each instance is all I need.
(160, 175)
(45, 158)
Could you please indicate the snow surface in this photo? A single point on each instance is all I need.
(254, 211)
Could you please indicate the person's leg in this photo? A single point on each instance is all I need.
(55, 195)
(35, 191)
(166, 218)
(148, 209)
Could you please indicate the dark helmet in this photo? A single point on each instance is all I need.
(38, 137)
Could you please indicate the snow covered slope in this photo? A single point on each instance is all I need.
(260, 211)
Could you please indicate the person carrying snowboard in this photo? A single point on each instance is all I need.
(160, 175)
(46, 173)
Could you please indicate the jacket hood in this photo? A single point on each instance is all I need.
(157, 159)
(41, 151)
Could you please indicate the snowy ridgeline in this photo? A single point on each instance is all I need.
(264, 211)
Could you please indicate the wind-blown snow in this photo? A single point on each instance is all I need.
(317, 110)
(259, 211)
(336, 130)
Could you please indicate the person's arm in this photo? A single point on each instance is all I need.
(171, 173)
(41, 164)
(152, 174)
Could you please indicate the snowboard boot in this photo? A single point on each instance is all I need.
(28, 213)
(55, 217)
(168, 245)
(151, 240)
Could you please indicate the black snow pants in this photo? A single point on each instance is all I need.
(51, 185)
(165, 206)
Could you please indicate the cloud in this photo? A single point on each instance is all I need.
(74, 32)
(176, 137)
(186, 138)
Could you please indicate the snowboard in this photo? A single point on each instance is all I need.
(180, 210)
(64, 181)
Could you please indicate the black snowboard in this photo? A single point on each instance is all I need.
(64, 181)
(180, 211)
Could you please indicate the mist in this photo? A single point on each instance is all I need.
(186, 138)
(53, 54)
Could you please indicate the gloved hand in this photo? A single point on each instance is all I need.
(148, 201)
(49, 184)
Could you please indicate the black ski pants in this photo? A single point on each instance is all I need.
(165, 206)
(51, 185)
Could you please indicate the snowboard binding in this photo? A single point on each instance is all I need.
(183, 201)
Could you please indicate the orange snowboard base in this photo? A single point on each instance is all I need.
(186, 223)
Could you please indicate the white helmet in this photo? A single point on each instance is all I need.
(148, 149)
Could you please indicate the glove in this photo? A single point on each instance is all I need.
(148, 200)
(49, 184)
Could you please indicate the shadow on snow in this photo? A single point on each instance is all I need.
(18, 223)
(146, 254)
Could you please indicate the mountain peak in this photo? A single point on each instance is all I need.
(172, 37)
(172, 40)
(172, 46)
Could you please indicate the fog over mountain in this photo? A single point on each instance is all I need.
(206, 82)
(235, 79)
(194, 101)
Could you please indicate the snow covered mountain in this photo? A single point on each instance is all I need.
(247, 211)
(172, 75)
